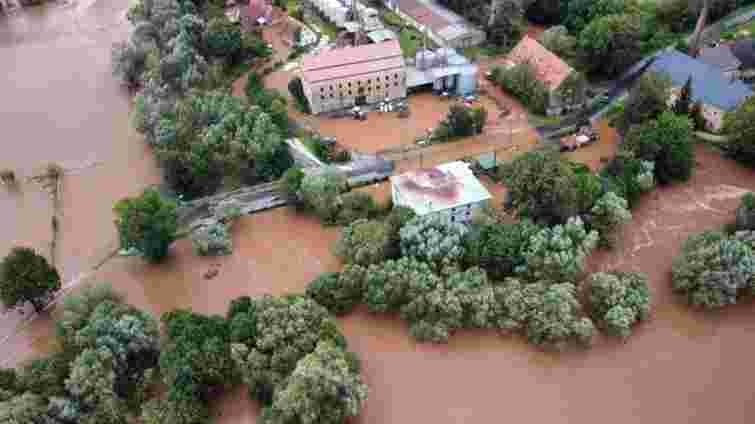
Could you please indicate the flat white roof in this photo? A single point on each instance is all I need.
(436, 189)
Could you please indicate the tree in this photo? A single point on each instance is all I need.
(609, 213)
(746, 213)
(667, 141)
(580, 13)
(25, 408)
(147, 223)
(549, 314)
(27, 277)
(322, 389)
(557, 254)
(394, 283)
(508, 24)
(628, 177)
(286, 329)
(739, 128)
(435, 240)
(541, 186)
(223, 39)
(291, 183)
(683, 103)
(609, 45)
(363, 242)
(544, 11)
(712, 269)
(356, 205)
(339, 293)
(522, 82)
(646, 101)
(499, 248)
(129, 61)
(558, 40)
(296, 88)
(463, 121)
(320, 193)
(618, 300)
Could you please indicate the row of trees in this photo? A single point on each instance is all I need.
(288, 351)
(181, 55)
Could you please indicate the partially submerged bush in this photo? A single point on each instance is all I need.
(712, 269)
(394, 283)
(618, 300)
(499, 248)
(26, 276)
(356, 205)
(746, 213)
(321, 192)
(212, 239)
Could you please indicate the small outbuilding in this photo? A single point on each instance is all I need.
(450, 189)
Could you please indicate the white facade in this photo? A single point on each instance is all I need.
(450, 189)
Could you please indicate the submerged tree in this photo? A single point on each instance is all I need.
(147, 223)
(26, 276)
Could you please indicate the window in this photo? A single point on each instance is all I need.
(395, 84)
(386, 78)
(322, 97)
(395, 76)
(349, 92)
(322, 89)
(340, 85)
(349, 83)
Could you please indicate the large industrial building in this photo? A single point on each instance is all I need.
(445, 70)
(341, 78)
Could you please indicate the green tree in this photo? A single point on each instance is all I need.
(646, 101)
(320, 193)
(739, 127)
(394, 283)
(363, 242)
(147, 223)
(683, 103)
(610, 44)
(712, 269)
(667, 141)
(356, 205)
(579, 13)
(618, 300)
(558, 40)
(499, 248)
(610, 212)
(322, 389)
(541, 186)
(296, 88)
(223, 39)
(339, 293)
(27, 277)
(557, 254)
(435, 240)
(26, 408)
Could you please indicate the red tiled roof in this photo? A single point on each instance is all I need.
(549, 68)
(425, 16)
(352, 61)
(258, 9)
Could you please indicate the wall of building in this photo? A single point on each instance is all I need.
(714, 116)
(463, 213)
(332, 95)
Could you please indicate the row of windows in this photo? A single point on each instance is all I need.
(351, 93)
(359, 83)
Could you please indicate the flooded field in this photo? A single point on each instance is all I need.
(60, 104)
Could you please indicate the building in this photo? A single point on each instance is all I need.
(255, 13)
(744, 51)
(717, 93)
(445, 70)
(341, 13)
(444, 27)
(566, 87)
(723, 58)
(341, 78)
(450, 189)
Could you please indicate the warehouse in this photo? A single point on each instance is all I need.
(341, 78)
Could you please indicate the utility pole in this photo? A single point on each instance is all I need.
(696, 39)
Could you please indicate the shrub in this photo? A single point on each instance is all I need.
(291, 183)
(296, 88)
(363, 242)
(164, 411)
(339, 293)
(129, 61)
(356, 205)
(212, 239)
(147, 223)
(27, 277)
(557, 254)
(628, 177)
(394, 222)
(609, 213)
(647, 99)
(435, 240)
(610, 44)
(738, 127)
(463, 121)
(223, 39)
(618, 300)
(46, 376)
(711, 269)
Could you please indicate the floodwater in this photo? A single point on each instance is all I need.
(60, 104)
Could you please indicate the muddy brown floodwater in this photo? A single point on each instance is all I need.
(60, 104)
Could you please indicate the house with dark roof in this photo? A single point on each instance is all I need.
(744, 51)
(717, 93)
(341, 78)
(444, 27)
(721, 57)
(566, 87)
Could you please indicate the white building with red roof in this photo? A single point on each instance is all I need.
(565, 85)
(351, 76)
